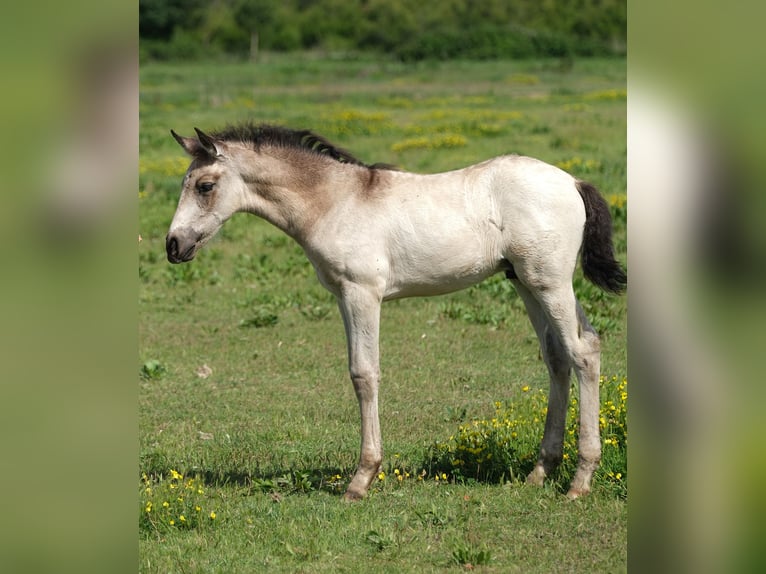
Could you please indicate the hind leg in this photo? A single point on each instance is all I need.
(581, 344)
(588, 368)
(559, 369)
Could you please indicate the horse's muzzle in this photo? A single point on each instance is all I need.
(180, 246)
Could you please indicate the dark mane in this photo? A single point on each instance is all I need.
(256, 136)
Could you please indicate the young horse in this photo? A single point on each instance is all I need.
(374, 234)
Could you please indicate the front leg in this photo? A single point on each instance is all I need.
(360, 309)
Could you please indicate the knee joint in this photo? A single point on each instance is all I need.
(365, 383)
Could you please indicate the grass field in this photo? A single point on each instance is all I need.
(249, 427)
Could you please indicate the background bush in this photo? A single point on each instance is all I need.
(483, 29)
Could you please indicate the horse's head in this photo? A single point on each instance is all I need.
(211, 193)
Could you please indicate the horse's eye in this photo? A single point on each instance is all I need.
(205, 187)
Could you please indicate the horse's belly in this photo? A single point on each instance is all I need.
(424, 277)
(447, 256)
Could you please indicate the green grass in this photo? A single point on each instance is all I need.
(242, 364)
(424, 529)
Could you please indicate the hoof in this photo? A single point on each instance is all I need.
(537, 476)
(575, 493)
(352, 496)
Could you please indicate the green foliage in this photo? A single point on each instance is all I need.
(378, 540)
(152, 370)
(487, 41)
(504, 447)
(173, 502)
(159, 18)
(468, 555)
(261, 317)
(437, 30)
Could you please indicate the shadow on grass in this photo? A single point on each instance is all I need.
(329, 479)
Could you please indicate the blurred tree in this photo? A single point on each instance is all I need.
(432, 29)
(275, 22)
(157, 19)
(332, 24)
(386, 25)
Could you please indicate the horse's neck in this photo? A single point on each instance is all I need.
(298, 195)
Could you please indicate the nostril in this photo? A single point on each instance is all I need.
(171, 246)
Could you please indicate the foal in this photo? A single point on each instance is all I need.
(374, 234)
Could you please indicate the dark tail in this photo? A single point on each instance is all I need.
(598, 262)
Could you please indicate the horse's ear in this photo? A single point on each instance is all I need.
(212, 148)
(190, 145)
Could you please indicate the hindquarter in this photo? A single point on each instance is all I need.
(543, 218)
